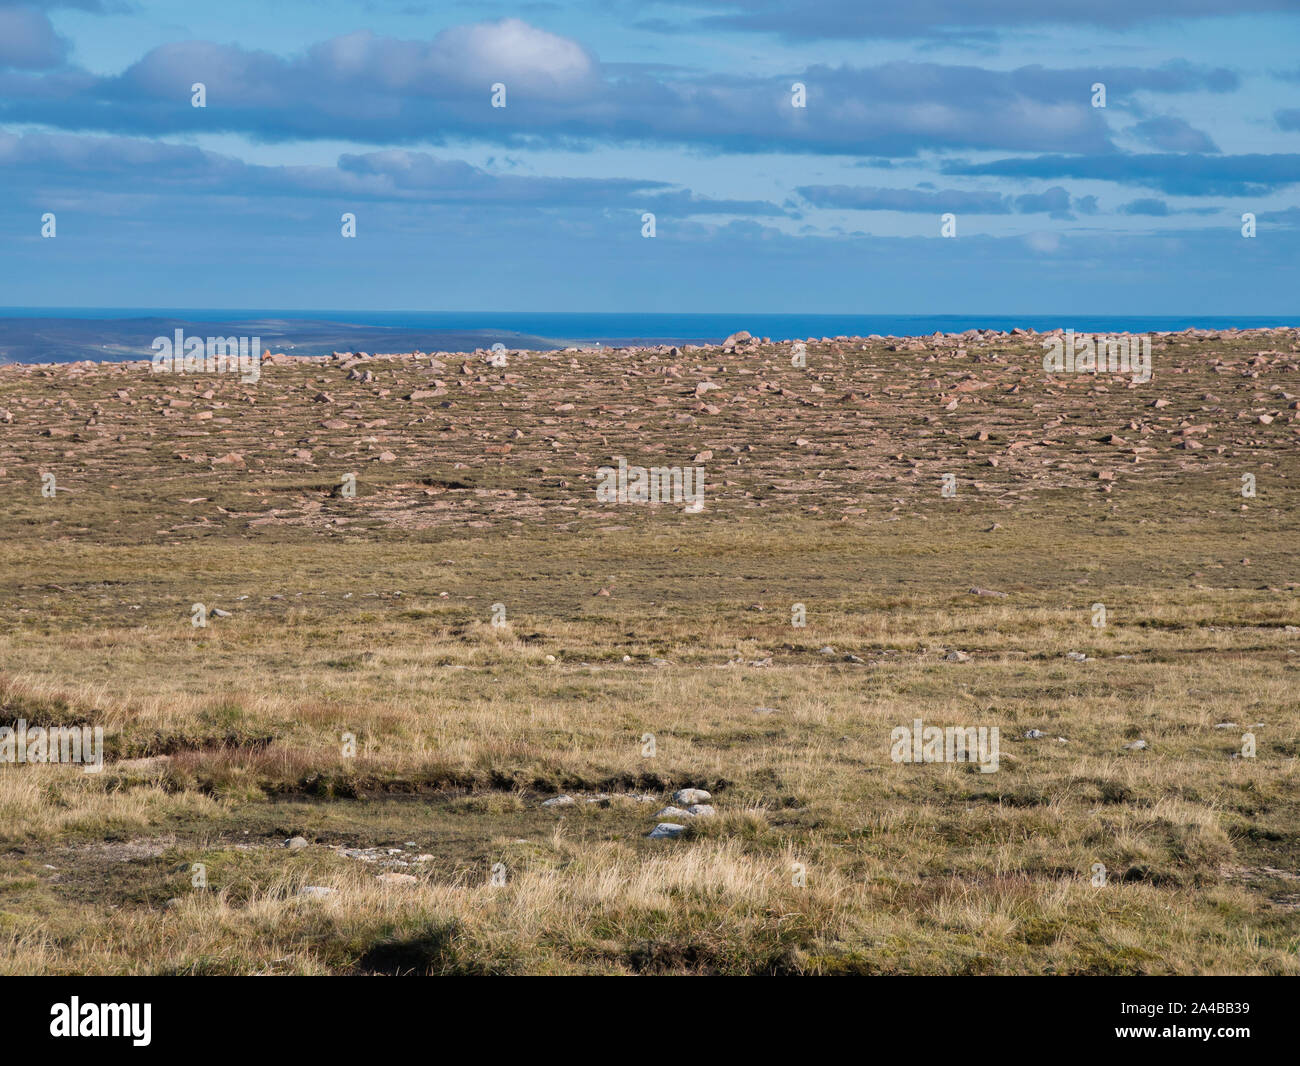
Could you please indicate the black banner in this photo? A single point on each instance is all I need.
(144, 1015)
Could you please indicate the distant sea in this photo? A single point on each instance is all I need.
(64, 334)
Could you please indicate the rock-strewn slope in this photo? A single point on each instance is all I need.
(868, 428)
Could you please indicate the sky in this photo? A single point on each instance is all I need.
(983, 110)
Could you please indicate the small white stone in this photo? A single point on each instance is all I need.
(691, 795)
(700, 810)
(666, 830)
(558, 801)
(1137, 745)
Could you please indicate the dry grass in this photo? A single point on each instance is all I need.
(371, 618)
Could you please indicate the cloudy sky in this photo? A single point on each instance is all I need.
(983, 109)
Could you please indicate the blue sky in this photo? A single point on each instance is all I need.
(979, 108)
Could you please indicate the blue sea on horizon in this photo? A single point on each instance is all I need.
(582, 324)
(57, 334)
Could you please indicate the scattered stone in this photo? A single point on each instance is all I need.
(955, 656)
(559, 801)
(700, 810)
(691, 795)
(1137, 745)
(666, 831)
(295, 843)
